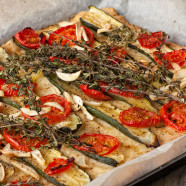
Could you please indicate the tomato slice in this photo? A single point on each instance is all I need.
(21, 143)
(92, 93)
(138, 117)
(11, 89)
(152, 40)
(174, 115)
(69, 32)
(65, 61)
(98, 143)
(28, 38)
(121, 92)
(177, 56)
(118, 52)
(54, 115)
(58, 165)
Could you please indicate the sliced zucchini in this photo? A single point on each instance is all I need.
(19, 45)
(102, 159)
(96, 19)
(10, 102)
(73, 122)
(144, 136)
(143, 102)
(135, 51)
(73, 176)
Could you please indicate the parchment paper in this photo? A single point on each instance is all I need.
(165, 15)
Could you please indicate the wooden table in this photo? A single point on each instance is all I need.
(175, 178)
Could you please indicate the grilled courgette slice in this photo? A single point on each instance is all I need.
(96, 19)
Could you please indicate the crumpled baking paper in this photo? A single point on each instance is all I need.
(165, 15)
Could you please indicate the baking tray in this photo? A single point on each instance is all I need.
(160, 171)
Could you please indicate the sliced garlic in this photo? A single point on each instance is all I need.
(74, 106)
(29, 112)
(68, 97)
(36, 154)
(93, 103)
(55, 104)
(2, 172)
(67, 76)
(77, 100)
(10, 152)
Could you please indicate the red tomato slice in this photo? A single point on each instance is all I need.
(28, 38)
(121, 92)
(65, 61)
(13, 89)
(152, 40)
(118, 52)
(54, 115)
(95, 94)
(101, 144)
(174, 115)
(69, 32)
(138, 117)
(58, 165)
(177, 56)
(21, 143)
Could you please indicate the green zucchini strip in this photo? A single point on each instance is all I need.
(19, 45)
(10, 102)
(142, 51)
(106, 160)
(40, 172)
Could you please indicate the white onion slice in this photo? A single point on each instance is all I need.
(55, 104)
(29, 112)
(93, 103)
(68, 76)
(10, 152)
(84, 34)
